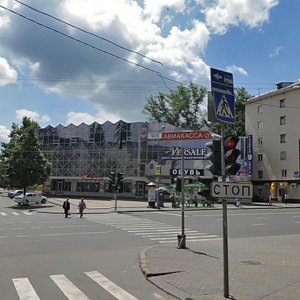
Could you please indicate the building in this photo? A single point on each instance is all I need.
(272, 119)
(83, 157)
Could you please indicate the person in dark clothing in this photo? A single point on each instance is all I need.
(81, 207)
(66, 207)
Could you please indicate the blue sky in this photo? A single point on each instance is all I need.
(55, 79)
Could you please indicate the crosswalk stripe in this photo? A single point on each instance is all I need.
(27, 213)
(109, 286)
(15, 213)
(68, 288)
(3, 213)
(24, 289)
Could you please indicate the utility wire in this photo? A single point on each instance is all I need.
(93, 47)
(104, 39)
(88, 32)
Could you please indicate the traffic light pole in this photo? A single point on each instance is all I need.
(182, 237)
(225, 223)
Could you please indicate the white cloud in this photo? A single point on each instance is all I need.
(276, 51)
(4, 132)
(7, 73)
(35, 116)
(101, 116)
(154, 8)
(237, 12)
(236, 69)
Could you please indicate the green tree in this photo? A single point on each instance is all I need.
(25, 165)
(181, 108)
(241, 97)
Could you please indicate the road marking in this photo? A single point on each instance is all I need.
(258, 224)
(68, 226)
(27, 213)
(68, 288)
(23, 236)
(109, 286)
(74, 233)
(24, 289)
(3, 237)
(3, 213)
(154, 234)
(169, 238)
(16, 228)
(15, 213)
(153, 230)
(193, 240)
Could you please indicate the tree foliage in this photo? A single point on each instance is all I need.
(25, 165)
(180, 107)
(238, 128)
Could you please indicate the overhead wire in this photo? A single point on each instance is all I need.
(92, 46)
(88, 32)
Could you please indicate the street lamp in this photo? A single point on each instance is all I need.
(158, 171)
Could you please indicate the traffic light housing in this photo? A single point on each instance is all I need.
(231, 154)
(120, 178)
(178, 184)
(112, 177)
(215, 157)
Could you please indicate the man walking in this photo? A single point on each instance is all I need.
(66, 207)
(81, 207)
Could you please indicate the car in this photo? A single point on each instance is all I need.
(30, 198)
(12, 194)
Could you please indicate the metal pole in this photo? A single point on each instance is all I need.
(225, 227)
(182, 239)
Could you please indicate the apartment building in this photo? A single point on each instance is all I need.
(273, 121)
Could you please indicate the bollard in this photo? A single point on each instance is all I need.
(181, 241)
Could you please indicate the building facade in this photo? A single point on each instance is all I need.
(83, 156)
(272, 119)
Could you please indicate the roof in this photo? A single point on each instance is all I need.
(294, 85)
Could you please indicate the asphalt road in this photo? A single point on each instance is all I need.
(45, 256)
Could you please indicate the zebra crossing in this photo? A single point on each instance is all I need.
(153, 230)
(14, 213)
(25, 288)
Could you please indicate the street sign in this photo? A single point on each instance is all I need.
(223, 93)
(186, 135)
(232, 190)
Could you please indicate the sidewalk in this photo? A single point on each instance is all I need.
(265, 268)
(106, 206)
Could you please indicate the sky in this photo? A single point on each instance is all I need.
(74, 61)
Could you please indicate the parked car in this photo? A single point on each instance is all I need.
(30, 198)
(12, 194)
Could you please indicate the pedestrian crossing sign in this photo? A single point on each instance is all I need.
(224, 108)
(223, 94)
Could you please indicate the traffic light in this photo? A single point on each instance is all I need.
(120, 178)
(215, 157)
(231, 154)
(112, 177)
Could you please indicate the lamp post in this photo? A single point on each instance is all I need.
(158, 171)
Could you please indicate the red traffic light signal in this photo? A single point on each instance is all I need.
(231, 154)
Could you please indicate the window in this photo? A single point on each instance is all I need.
(260, 125)
(259, 142)
(260, 109)
(283, 173)
(282, 120)
(259, 157)
(283, 138)
(282, 103)
(282, 155)
(260, 174)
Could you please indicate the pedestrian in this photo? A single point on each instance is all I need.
(286, 197)
(81, 207)
(66, 207)
(237, 202)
